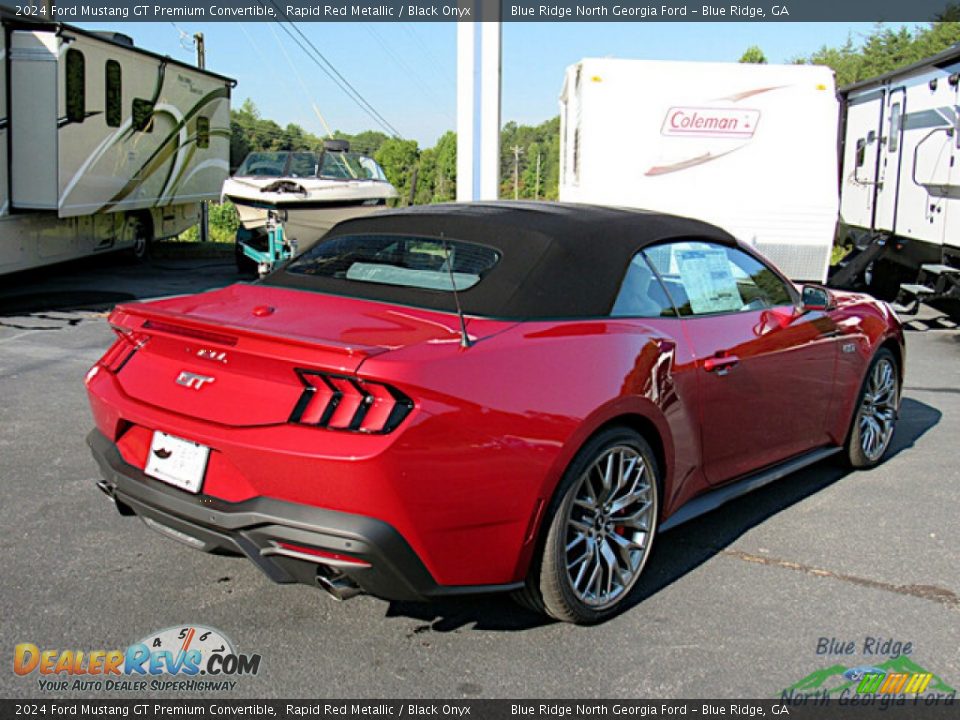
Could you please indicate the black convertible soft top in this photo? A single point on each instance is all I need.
(558, 260)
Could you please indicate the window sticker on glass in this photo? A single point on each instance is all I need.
(708, 281)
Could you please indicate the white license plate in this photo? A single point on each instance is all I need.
(178, 462)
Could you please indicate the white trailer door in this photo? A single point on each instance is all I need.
(890, 162)
(33, 119)
(862, 153)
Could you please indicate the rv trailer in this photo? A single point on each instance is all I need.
(751, 148)
(900, 184)
(103, 146)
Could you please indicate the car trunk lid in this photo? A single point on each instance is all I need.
(232, 356)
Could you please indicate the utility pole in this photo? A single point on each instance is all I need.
(204, 207)
(516, 172)
(536, 193)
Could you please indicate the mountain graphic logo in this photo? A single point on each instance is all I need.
(896, 675)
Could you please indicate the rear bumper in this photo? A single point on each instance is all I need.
(388, 567)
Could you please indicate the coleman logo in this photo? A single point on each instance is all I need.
(192, 380)
(710, 122)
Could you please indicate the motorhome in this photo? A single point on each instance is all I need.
(751, 148)
(900, 185)
(103, 145)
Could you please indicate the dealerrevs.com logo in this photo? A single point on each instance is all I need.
(187, 658)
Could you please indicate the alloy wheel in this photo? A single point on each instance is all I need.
(878, 409)
(610, 525)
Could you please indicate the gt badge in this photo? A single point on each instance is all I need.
(193, 380)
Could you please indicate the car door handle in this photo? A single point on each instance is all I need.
(720, 364)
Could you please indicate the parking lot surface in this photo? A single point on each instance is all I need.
(733, 604)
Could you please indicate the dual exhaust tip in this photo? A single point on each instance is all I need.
(336, 585)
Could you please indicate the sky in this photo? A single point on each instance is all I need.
(407, 71)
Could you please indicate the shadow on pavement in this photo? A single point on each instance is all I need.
(99, 283)
(678, 551)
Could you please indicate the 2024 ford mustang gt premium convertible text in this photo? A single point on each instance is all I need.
(611, 373)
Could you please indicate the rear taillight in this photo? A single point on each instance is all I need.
(339, 402)
(128, 342)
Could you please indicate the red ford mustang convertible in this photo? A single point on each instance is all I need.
(487, 397)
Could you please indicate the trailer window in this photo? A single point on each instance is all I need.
(203, 132)
(142, 115)
(75, 91)
(893, 142)
(113, 93)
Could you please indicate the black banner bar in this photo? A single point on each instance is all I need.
(483, 10)
(878, 706)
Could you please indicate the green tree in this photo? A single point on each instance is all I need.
(398, 158)
(885, 49)
(445, 180)
(753, 55)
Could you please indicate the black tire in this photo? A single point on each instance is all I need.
(139, 227)
(859, 451)
(883, 279)
(550, 587)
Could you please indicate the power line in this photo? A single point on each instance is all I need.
(410, 72)
(335, 75)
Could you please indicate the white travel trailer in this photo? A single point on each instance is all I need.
(103, 146)
(900, 183)
(751, 148)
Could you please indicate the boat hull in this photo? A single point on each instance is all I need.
(304, 224)
(307, 207)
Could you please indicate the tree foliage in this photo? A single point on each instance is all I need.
(885, 49)
(753, 55)
(542, 140)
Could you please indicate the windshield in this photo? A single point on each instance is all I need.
(263, 164)
(406, 261)
(333, 165)
(350, 166)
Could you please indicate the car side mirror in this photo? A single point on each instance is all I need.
(815, 297)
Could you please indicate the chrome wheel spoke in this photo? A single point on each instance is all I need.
(576, 541)
(628, 500)
(637, 519)
(580, 525)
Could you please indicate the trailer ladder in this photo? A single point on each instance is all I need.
(849, 271)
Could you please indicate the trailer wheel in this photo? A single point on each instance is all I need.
(883, 279)
(138, 229)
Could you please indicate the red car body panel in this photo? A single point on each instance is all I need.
(465, 478)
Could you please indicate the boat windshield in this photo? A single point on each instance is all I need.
(333, 165)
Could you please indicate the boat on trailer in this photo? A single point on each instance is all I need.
(308, 191)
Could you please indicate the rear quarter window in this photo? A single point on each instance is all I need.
(404, 261)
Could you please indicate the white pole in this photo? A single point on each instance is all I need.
(466, 110)
(490, 111)
(478, 110)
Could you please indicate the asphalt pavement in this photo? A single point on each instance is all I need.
(733, 604)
